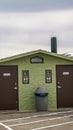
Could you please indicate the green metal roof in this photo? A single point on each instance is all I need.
(36, 52)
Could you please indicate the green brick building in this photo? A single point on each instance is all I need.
(22, 74)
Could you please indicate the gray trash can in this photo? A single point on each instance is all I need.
(41, 98)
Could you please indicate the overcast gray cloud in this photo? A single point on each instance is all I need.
(29, 25)
(35, 5)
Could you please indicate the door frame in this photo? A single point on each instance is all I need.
(56, 81)
(17, 81)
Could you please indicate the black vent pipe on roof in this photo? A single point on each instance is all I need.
(54, 44)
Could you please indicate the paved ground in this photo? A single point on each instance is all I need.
(37, 121)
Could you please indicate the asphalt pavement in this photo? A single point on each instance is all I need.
(54, 120)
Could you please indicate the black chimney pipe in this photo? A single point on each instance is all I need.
(53, 44)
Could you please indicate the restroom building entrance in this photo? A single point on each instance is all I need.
(8, 87)
(64, 85)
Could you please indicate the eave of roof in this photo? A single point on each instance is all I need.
(35, 52)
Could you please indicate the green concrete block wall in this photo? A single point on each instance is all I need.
(36, 79)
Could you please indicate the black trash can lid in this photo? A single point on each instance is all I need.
(41, 90)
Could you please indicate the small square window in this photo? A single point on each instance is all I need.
(25, 76)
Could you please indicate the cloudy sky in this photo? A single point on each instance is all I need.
(27, 25)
